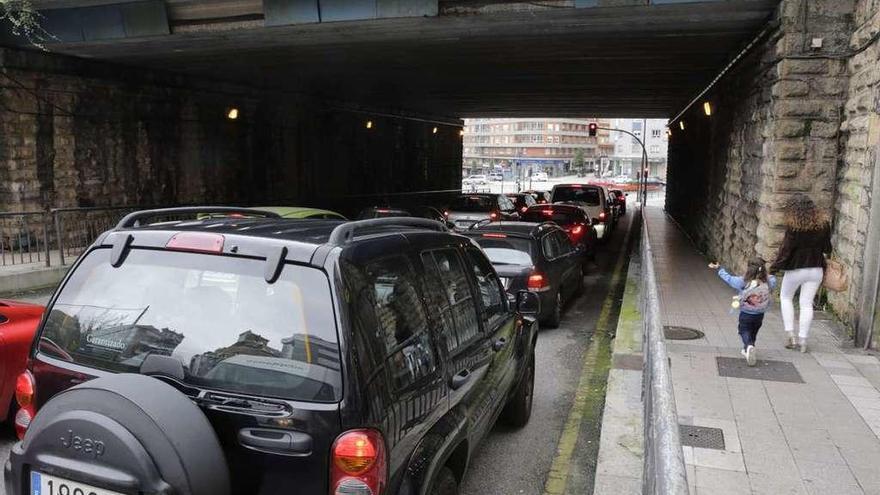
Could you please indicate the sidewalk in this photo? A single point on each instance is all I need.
(794, 424)
(22, 277)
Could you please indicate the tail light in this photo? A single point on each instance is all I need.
(493, 216)
(524, 209)
(25, 396)
(445, 213)
(577, 230)
(538, 282)
(358, 466)
(602, 216)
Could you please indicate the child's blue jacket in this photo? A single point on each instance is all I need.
(739, 283)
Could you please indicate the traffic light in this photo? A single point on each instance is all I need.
(593, 127)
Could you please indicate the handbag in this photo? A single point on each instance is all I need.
(835, 279)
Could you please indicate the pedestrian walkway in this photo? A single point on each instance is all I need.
(31, 274)
(795, 423)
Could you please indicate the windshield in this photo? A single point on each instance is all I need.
(587, 195)
(506, 251)
(474, 203)
(216, 315)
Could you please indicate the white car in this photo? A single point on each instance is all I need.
(540, 176)
(475, 179)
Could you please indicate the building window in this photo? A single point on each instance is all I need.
(655, 133)
(655, 148)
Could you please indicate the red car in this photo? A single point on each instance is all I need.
(18, 323)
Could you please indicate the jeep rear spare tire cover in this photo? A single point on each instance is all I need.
(127, 433)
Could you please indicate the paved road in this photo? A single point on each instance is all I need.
(517, 461)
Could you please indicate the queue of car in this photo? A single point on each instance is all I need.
(246, 322)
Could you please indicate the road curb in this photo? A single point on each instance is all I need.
(621, 450)
(32, 279)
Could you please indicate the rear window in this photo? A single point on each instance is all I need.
(506, 251)
(560, 218)
(588, 195)
(229, 329)
(474, 203)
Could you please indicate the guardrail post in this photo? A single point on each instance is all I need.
(46, 239)
(58, 235)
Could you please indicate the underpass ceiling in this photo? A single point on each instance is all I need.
(611, 61)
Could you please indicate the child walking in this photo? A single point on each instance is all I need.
(753, 300)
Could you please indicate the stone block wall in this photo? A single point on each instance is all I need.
(78, 133)
(791, 119)
(859, 160)
(774, 132)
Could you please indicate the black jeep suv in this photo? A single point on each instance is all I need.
(365, 357)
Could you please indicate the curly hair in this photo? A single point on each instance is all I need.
(801, 214)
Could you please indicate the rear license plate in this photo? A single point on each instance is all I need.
(43, 484)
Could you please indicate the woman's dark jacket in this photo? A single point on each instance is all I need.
(803, 249)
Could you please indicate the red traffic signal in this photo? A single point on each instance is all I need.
(593, 128)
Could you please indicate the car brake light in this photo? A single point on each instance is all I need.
(498, 236)
(493, 215)
(445, 213)
(196, 242)
(524, 209)
(577, 230)
(382, 210)
(602, 216)
(548, 211)
(358, 466)
(538, 282)
(25, 395)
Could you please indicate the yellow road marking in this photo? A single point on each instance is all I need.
(558, 475)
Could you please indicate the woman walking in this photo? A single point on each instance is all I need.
(802, 258)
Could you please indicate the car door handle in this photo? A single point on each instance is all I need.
(459, 379)
(499, 344)
(281, 441)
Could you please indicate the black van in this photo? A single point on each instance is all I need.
(331, 357)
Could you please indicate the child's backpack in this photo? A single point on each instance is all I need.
(755, 297)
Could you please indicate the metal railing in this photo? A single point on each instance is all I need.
(24, 238)
(664, 469)
(76, 228)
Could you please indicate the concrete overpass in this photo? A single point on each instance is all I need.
(457, 58)
(128, 105)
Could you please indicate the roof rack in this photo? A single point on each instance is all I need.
(135, 219)
(345, 232)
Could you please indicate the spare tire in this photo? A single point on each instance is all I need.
(125, 433)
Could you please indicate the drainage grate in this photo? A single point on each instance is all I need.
(672, 332)
(765, 369)
(701, 436)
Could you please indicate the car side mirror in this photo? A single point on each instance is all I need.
(527, 303)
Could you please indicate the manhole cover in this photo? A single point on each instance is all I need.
(701, 436)
(682, 333)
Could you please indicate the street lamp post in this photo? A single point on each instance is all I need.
(643, 174)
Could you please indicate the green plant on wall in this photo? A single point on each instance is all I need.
(20, 17)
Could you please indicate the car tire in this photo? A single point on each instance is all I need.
(519, 408)
(555, 317)
(445, 484)
(124, 427)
